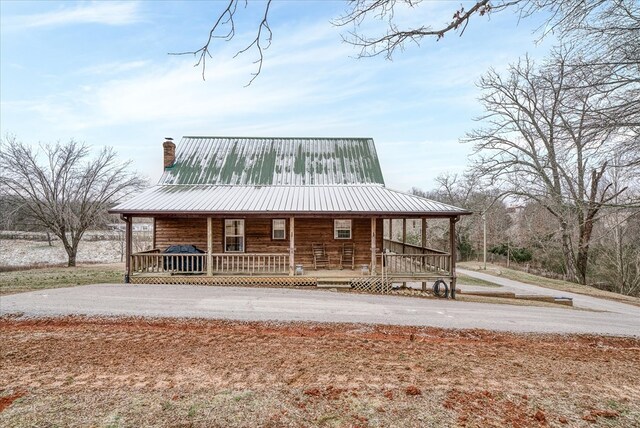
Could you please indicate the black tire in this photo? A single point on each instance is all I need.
(440, 289)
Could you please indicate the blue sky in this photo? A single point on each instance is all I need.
(99, 72)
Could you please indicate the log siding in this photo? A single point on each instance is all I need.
(258, 237)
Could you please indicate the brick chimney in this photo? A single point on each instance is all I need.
(169, 152)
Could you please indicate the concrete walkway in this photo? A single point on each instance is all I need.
(259, 304)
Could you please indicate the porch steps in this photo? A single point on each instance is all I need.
(333, 283)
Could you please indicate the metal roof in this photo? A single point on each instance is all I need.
(274, 161)
(336, 199)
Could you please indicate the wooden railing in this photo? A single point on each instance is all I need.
(225, 263)
(250, 263)
(417, 264)
(400, 248)
(155, 262)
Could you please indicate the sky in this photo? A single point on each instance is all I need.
(100, 72)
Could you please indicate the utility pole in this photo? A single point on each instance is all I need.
(484, 241)
(484, 229)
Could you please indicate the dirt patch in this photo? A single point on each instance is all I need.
(7, 400)
(141, 372)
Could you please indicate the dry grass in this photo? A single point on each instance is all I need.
(79, 372)
(20, 281)
(554, 284)
(508, 301)
(469, 280)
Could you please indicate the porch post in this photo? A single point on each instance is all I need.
(292, 247)
(404, 234)
(153, 243)
(128, 246)
(390, 230)
(423, 231)
(373, 246)
(452, 245)
(209, 246)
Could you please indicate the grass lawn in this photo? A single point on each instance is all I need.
(54, 277)
(554, 284)
(469, 280)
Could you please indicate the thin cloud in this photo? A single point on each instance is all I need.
(105, 13)
(113, 67)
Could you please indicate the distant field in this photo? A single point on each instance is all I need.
(21, 252)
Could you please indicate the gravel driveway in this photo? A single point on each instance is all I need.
(240, 303)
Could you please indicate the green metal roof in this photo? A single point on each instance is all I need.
(274, 161)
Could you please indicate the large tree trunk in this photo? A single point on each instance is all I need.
(567, 253)
(72, 260)
(72, 251)
(582, 259)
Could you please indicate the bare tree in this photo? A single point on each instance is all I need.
(547, 138)
(471, 192)
(62, 188)
(609, 29)
(616, 264)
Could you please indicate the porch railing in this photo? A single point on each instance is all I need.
(224, 263)
(417, 264)
(250, 263)
(156, 262)
(406, 248)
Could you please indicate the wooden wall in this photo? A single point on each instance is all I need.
(185, 231)
(309, 231)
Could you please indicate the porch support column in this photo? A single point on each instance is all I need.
(209, 246)
(390, 230)
(153, 243)
(373, 246)
(128, 246)
(452, 245)
(292, 246)
(404, 234)
(423, 244)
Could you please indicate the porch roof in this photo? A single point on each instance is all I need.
(301, 200)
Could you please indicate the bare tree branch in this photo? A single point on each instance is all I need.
(225, 23)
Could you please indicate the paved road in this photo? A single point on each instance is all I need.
(241, 303)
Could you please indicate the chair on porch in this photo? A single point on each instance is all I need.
(320, 257)
(348, 255)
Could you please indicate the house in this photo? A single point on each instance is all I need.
(281, 211)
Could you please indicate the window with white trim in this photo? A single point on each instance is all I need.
(234, 236)
(279, 229)
(342, 229)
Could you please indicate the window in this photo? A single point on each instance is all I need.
(342, 229)
(234, 236)
(279, 229)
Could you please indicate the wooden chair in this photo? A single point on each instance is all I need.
(348, 255)
(320, 257)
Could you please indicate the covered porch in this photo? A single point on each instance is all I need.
(382, 254)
